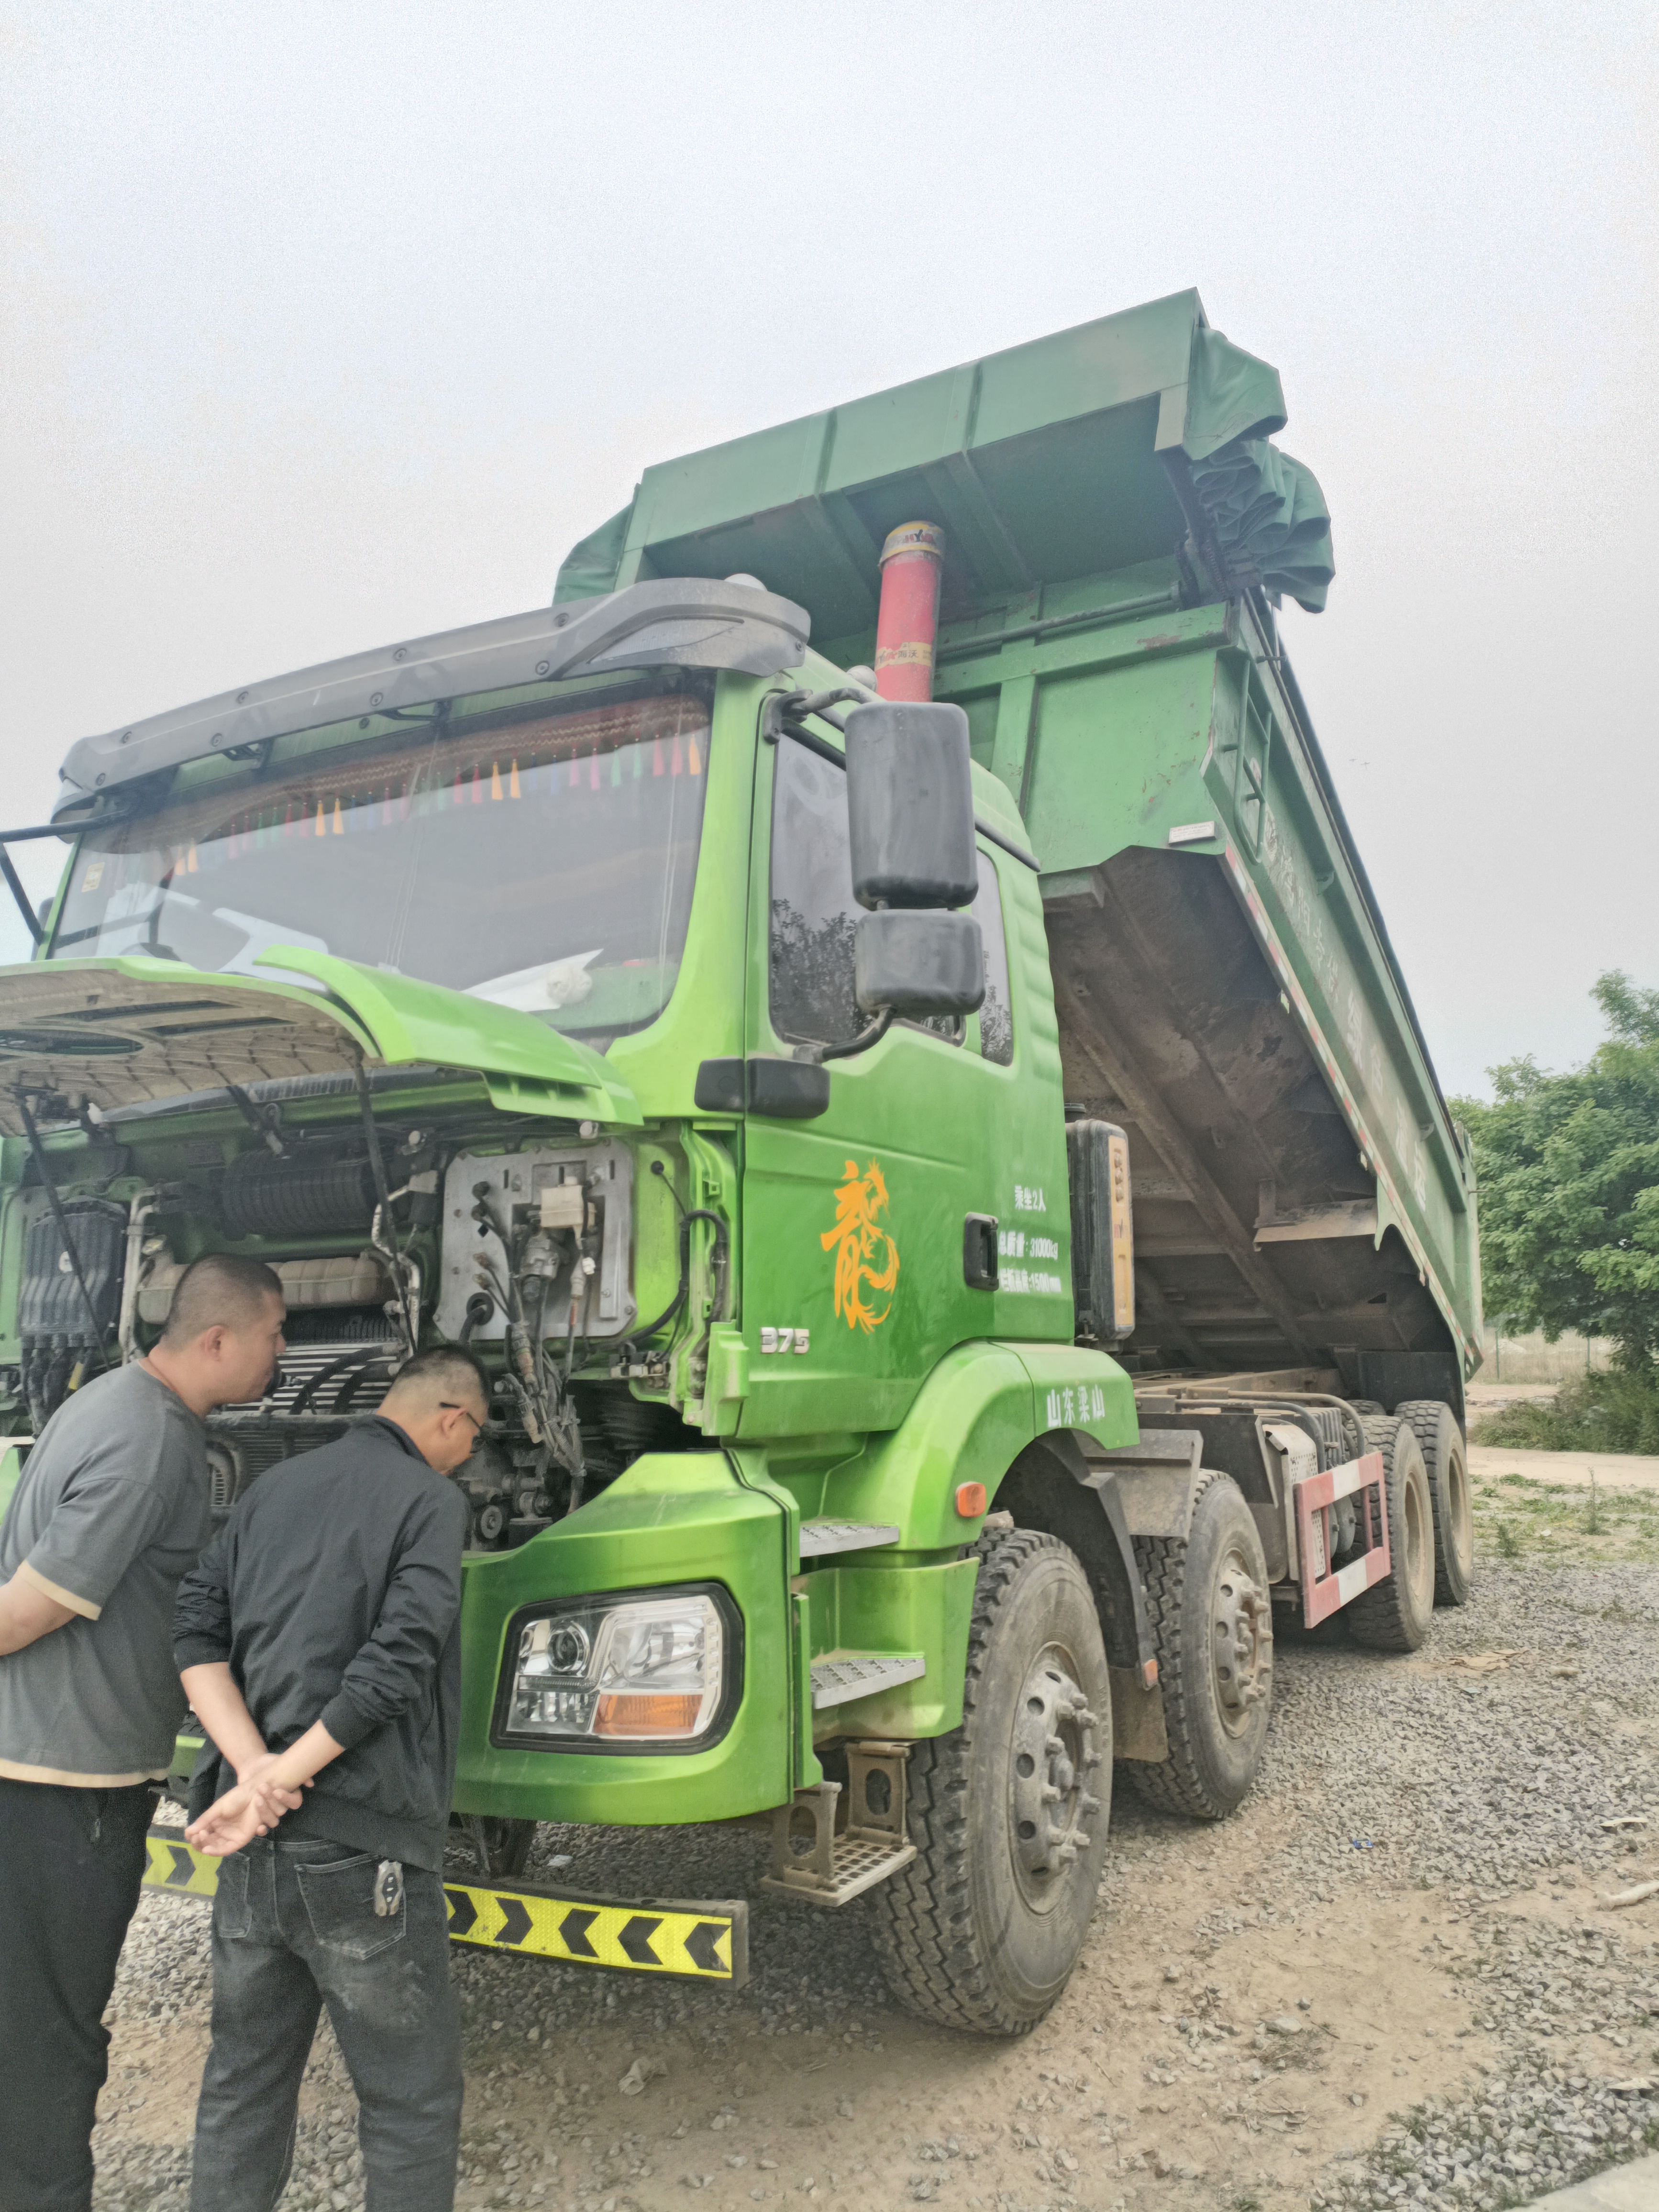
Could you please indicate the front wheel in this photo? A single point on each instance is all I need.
(1211, 1615)
(1009, 1812)
(501, 1846)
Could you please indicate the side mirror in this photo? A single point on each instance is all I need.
(914, 964)
(910, 805)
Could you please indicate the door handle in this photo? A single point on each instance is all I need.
(979, 1251)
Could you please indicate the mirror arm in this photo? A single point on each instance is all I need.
(877, 1029)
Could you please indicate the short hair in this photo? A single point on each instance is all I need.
(220, 1289)
(446, 1369)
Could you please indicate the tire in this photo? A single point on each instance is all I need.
(983, 1929)
(1447, 1460)
(1394, 1615)
(1212, 1620)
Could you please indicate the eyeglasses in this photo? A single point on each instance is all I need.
(454, 1406)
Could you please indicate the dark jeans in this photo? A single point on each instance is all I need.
(294, 1929)
(71, 1864)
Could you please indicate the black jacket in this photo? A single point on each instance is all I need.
(334, 1591)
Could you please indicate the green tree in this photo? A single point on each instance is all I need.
(1569, 1185)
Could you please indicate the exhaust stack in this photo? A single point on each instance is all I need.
(912, 563)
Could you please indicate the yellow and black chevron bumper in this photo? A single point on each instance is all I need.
(697, 1943)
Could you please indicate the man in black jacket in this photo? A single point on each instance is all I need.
(324, 1620)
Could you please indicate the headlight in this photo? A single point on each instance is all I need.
(641, 1671)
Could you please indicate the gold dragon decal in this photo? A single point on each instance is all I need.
(866, 1258)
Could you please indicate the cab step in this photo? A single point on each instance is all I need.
(844, 1675)
(817, 1537)
(811, 1860)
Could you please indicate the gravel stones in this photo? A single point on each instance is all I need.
(1507, 1814)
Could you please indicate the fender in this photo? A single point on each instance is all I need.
(984, 1407)
(978, 1410)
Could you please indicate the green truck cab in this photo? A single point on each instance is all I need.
(914, 1396)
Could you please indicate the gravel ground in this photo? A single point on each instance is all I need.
(1390, 1980)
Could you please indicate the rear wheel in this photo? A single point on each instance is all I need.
(1447, 1463)
(1212, 1620)
(1009, 1812)
(1394, 1615)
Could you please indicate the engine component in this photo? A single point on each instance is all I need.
(580, 1198)
(348, 1280)
(50, 1305)
(56, 1329)
(262, 1195)
(487, 1479)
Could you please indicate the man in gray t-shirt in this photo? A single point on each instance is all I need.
(109, 1515)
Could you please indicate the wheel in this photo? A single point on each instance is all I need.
(1009, 1812)
(1211, 1622)
(1447, 1461)
(1394, 1615)
(501, 1846)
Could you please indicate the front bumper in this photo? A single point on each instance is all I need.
(673, 1518)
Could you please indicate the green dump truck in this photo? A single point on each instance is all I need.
(866, 1016)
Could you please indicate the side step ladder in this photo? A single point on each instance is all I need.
(811, 1860)
(819, 1537)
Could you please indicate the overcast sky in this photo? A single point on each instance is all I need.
(326, 324)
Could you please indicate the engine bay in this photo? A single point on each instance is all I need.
(388, 1230)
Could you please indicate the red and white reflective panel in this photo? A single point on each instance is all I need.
(1323, 1592)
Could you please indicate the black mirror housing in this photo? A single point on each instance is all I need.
(910, 805)
(914, 964)
(782, 1090)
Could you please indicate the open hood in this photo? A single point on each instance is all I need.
(134, 1030)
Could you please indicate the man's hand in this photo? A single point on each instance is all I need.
(233, 1820)
(277, 1798)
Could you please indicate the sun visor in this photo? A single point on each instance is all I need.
(692, 623)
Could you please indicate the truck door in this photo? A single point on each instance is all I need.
(856, 1278)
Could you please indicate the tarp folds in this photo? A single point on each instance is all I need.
(1271, 523)
(1268, 516)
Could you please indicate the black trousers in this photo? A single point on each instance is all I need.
(294, 1929)
(71, 1864)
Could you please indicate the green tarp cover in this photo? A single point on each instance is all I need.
(1271, 523)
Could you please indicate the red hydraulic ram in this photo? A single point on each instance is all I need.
(911, 560)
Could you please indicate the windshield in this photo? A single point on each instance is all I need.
(543, 860)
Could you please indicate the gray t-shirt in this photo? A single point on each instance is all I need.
(110, 1514)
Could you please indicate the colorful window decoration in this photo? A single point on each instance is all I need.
(463, 850)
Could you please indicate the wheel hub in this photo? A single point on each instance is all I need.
(1054, 1756)
(1242, 1644)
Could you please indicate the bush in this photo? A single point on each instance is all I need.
(1614, 1411)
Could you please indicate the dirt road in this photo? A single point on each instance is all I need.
(1404, 1920)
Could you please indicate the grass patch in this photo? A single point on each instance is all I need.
(1614, 1411)
(1518, 1517)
